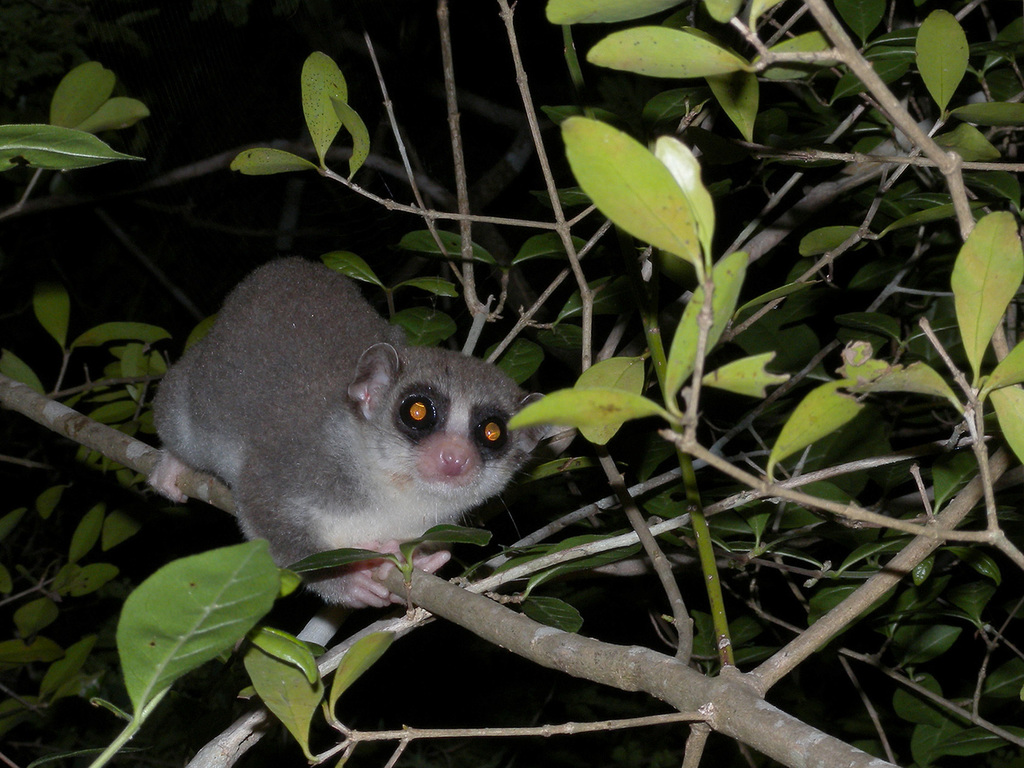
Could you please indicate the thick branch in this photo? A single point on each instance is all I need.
(730, 702)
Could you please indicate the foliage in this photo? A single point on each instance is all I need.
(782, 315)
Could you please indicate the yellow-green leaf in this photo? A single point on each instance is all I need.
(824, 410)
(322, 81)
(968, 142)
(35, 615)
(942, 51)
(809, 42)
(80, 93)
(825, 239)
(118, 112)
(685, 169)
(357, 129)
(996, 113)
(625, 373)
(986, 275)
(52, 307)
(87, 533)
(286, 692)
(1009, 371)
(265, 162)
(287, 648)
(746, 376)
(14, 367)
(738, 95)
(665, 52)
(363, 654)
(594, 11)
(1009, 405)
(586, 408)
(722, 10)
(631, 187)
(727, 277)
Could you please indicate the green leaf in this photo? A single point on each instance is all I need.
(423, 242)
(453, 534)
(363, 654)
(991, 113)
(424, 327)
(10, 521)
(15, 368)
(263, 161)
(972, 599)
(546, 245)
(776, 293)
(66, 670)
(80, 93)
(631, 187)
(322, 83)
(190, 611)
(87, 533)
(587, 407)
(357, 129)
(911, 707)
(52, 307)
(1006, 681)
(116, 113)
(54, 148)
(287, 648)
(927, 216)
(757, 7)
(351, 265)
(868, 375)
(923, 644)
(1009, 405)
(554, 613)
(33, 616)
(118, 331)
(623, 373)
(974, 741)
(521, 360)
(738, 95)
(942, 52)
(612, 296)
(1009, 371)
(825, 239)
(685, 169)
(595, 11)
(809, 42)
(285, 692)
(746, 376)
(987, 273)
(118, 526)
(727, 278)
(950, 474)
(665, 52)
(335, 558)
(435, 285)
(722, 10)
(873, 322)
(75, 580)
(820, 413)
(861, 16)
(21, 652)
(968, 142)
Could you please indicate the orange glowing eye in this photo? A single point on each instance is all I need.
(492, 432)
(418, 414)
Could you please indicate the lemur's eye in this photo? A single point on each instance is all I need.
(491, 433)
(418, 414)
